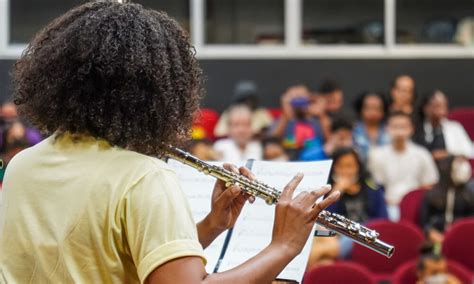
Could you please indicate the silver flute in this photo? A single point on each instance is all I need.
(331, 221)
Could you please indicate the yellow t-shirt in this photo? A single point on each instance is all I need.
(85, 212)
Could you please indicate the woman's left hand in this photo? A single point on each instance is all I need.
(227, 203)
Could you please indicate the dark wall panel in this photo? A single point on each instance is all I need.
(454, 76)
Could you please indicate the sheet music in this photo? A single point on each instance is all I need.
(252, 232)
(198, 189)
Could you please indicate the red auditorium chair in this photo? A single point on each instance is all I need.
(406, 238)
(406, 273)
(275, 112)
(465, 116)
(338, 273)
(410, 206)
(458, 244)
(205, 122)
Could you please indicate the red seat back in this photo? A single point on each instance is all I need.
(204, 123)
(339, 272)
(407, 273)
(275, 112)
(406, 238)
(458, 244)
(465, 116)
(410, 206)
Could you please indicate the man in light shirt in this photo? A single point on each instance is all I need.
(401, 166)
(239, 146)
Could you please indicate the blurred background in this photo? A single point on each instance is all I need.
(277, 43)
(383, 87)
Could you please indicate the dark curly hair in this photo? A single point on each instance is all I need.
(114, 71)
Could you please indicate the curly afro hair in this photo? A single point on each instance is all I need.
(114, 71)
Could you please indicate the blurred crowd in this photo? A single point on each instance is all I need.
(384, 147)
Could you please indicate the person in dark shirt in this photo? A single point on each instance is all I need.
(361, 199)
(449, 200)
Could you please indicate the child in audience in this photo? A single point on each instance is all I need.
(361, 199)
(273, 150)
(333, 95)
(437, 133)
(341, 136)
(369, 131)
(449, 200)
(239, 146)
(401, 166)
(202, 149)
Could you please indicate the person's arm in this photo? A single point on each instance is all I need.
(429, 175)
(294, 219)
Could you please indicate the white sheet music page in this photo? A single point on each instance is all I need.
(253, 230)
(198, 189)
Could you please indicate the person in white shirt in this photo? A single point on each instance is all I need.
(441, 136)
(401, 166)
(239, 146)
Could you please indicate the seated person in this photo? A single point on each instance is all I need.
(341, 136)
(433, 268)
(333, 96)
(297, 126)
(449, 200)
(245, 92)
(403, 94)
(401, 166)
(202, 149)
(369, 131)
(239, 146)
(361, 201)
(437, 133)
(273, 150)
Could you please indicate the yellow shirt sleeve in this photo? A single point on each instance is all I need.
(158, 222)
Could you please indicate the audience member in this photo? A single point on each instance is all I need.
(432, 268)
(13, 141)
(401, 166)
(371, 109)
(239, 146)
(298, 128)
(403, 94)
(9, 115)
(203, 149)
(333, 95)
(273, 150)
(245, 92)
(450, 199)
(341, 136)
(438, 134)
(361, 201)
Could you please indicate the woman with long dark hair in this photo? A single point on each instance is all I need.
(361, 199)
(441, 136)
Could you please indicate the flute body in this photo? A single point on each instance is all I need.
(331, 221)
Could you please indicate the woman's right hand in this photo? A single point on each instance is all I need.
(295, 217)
